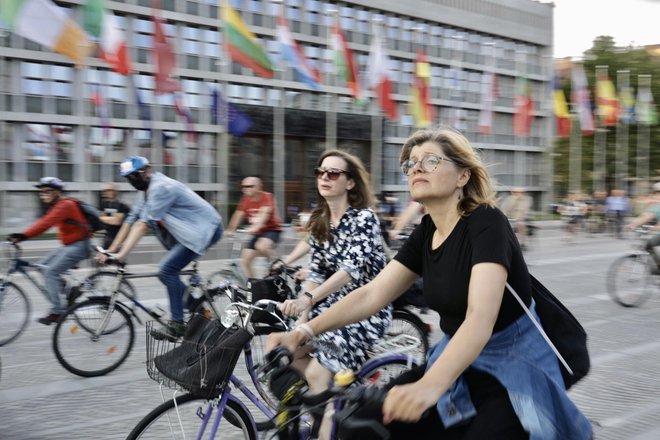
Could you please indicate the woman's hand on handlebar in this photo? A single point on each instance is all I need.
(290, 340)
(408, 402)
(295, 307)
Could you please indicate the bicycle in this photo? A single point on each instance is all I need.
(190, 415)
(94, 337)
(632, 278)
(15, 305)
(404, 321)
(233, 274)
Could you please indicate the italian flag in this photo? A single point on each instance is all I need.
(379, 76)
(344, 61)
(242, 44)
(47, 24)
(102, 24)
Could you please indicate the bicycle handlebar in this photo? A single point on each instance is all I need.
(111, 258)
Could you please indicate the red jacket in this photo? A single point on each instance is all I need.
(57, 215)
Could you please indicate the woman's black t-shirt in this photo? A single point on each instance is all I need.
(484, 236)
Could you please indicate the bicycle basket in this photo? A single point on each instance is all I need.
(201, 362)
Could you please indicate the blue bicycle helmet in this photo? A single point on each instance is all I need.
(51, 182)
(132, 164)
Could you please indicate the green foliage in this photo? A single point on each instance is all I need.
(639, 62)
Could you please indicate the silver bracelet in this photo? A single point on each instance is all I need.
(306, 329)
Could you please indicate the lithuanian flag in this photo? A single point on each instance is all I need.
(47, 24)
(242, 45)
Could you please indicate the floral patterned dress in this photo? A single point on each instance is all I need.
(357, 248)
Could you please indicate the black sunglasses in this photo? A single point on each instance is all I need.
(247, 186)
(333, 173)
(46, 191)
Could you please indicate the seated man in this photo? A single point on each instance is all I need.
(265, 224)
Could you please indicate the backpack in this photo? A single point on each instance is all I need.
(91, 214)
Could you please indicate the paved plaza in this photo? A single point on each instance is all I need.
(621, 396)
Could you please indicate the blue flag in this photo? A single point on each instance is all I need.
(238, 123)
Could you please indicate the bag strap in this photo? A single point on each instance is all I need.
(540, 329)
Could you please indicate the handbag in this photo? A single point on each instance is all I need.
(205, 358)
(561, 330)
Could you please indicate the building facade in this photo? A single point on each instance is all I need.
(49, 125)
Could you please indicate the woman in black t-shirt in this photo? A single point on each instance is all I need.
(492, 359)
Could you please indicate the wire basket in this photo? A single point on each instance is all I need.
(201, 362)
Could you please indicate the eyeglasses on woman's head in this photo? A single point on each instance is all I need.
(428, 163)
(332, 173)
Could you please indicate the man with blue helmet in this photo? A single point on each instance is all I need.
(63, 213)
(185, 224)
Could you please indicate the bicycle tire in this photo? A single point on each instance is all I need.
(213, 302)
(224, 277)
(629, 279)
(168, 420)
(102, 283)
(15, 310)
(408, 323)
(380, 371)
(69, 342)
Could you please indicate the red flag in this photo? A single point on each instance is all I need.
(522, 119)
(379, 75)
(165, 60)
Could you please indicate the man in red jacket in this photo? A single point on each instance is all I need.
(64, 213)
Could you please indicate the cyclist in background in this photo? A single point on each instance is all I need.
(73, 233)
(650, 215)
(113, 212)
(517, 207)
(492, 375)
(258, 207)
(346, 253)
(185, 224)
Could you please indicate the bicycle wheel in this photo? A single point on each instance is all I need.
(224, 277)
(407, 323)
(214, 301)
(103, 283)
(629, 279)
(81, 350)
(381, 370)
(15, 311)
(260, 381)
(183, 417)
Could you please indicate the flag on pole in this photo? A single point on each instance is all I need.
(43, 22)
(144, 112)
(242, 45)
(291, 52)
(344, 61)
(489, 92)
(183, 111)
(627, 100)
(645, 107)
(561, 110)
(379, 75)
(524, 106)
(237, 122)
(165, 60)
(102, 110)
(420, 101)
(606, 100)
(581, 100)
(102, 24)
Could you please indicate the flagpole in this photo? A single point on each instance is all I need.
(519, 156)
(331, 112)
(222, 145)
(377, 122)
(621, 171)
(575, 156)
(643, 143)
(278, 131)
(600, 143)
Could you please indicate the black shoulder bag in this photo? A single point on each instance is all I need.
(561, 330)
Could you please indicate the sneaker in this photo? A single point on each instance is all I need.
(50, 319)
(74, 294)
(173, 331)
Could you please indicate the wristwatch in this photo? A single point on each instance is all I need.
(310, 296)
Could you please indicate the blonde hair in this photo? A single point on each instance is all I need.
(456, 147)
(360, 196)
